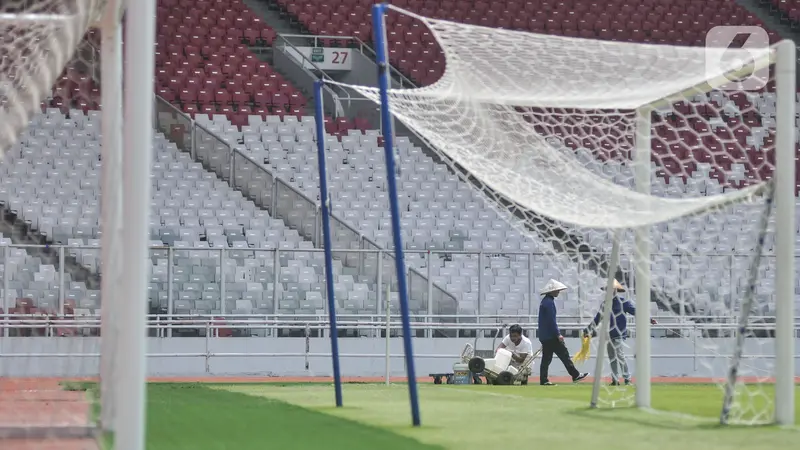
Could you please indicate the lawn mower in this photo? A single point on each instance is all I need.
(498, 367)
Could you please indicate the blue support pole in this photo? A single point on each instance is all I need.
(378, 13)
(319, 115)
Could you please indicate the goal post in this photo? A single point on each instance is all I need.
(675, 150)
(111, 202)
(53, 81)
(641, 182)
(785, 205)
(131, 311)
(606, 321)
(782, 193)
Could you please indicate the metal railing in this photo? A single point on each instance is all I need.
(284, 201)
(345, 103)
(340, 96)
(159, 324)
(178, 287)
(303, 40)
(303, 214)
(697, 342)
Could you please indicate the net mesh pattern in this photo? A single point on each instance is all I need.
(546, 129)
(39, 38)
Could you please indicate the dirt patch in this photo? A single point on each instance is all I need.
(45, 411)
(49, 444)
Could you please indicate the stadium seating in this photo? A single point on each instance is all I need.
(205, 67)
(414, 52)
(790, 9)
(50, 180)
(357, 184)
(204, 64)
(30, 279)
(442, 213)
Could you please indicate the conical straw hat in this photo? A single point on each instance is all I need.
(553, 286)
(617, 286)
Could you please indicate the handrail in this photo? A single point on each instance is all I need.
(404, 80)
(276, 179)
(384, 250)
(325, 76)
(228, 321)
(358, 236)
(413, 269)
(175, 109)
(302, 195)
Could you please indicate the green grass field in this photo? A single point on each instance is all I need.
(258, 416)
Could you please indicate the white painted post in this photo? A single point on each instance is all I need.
(110, 209)
(388, 333)
(784, 232)
(642, 261)
(140, 36)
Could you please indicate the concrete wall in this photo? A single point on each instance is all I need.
(363, 73)
(359, 356)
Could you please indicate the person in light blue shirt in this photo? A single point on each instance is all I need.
(550, 336)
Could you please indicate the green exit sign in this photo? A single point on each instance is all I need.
(317, 55)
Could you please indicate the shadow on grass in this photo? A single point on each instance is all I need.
(195, 417)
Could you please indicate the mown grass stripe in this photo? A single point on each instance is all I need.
(194, 417)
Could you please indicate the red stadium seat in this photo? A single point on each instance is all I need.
(222, 97)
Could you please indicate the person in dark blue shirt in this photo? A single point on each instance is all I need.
(617, 334)
(550, 336)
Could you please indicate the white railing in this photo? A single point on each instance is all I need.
(227, 162)
(369, 262)
(472, 323)
(693, 348)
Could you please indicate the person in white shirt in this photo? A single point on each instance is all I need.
(519, 345)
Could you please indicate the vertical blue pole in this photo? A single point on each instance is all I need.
(319, 115)
(378, 12)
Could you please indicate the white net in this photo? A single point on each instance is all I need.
(38, 38)
(49, 139)
(545, 129)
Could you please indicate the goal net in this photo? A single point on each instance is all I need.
(50, 134)
(672, 148)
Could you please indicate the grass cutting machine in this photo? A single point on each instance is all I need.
(497, 367)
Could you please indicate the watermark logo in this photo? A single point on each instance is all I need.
(735, 57)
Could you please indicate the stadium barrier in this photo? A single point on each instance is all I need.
(302, 213)
(294, 41)
(373, 354)
(433, 297)
(282, 200)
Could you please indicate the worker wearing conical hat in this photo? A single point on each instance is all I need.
(550, 336)
(615, 347)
